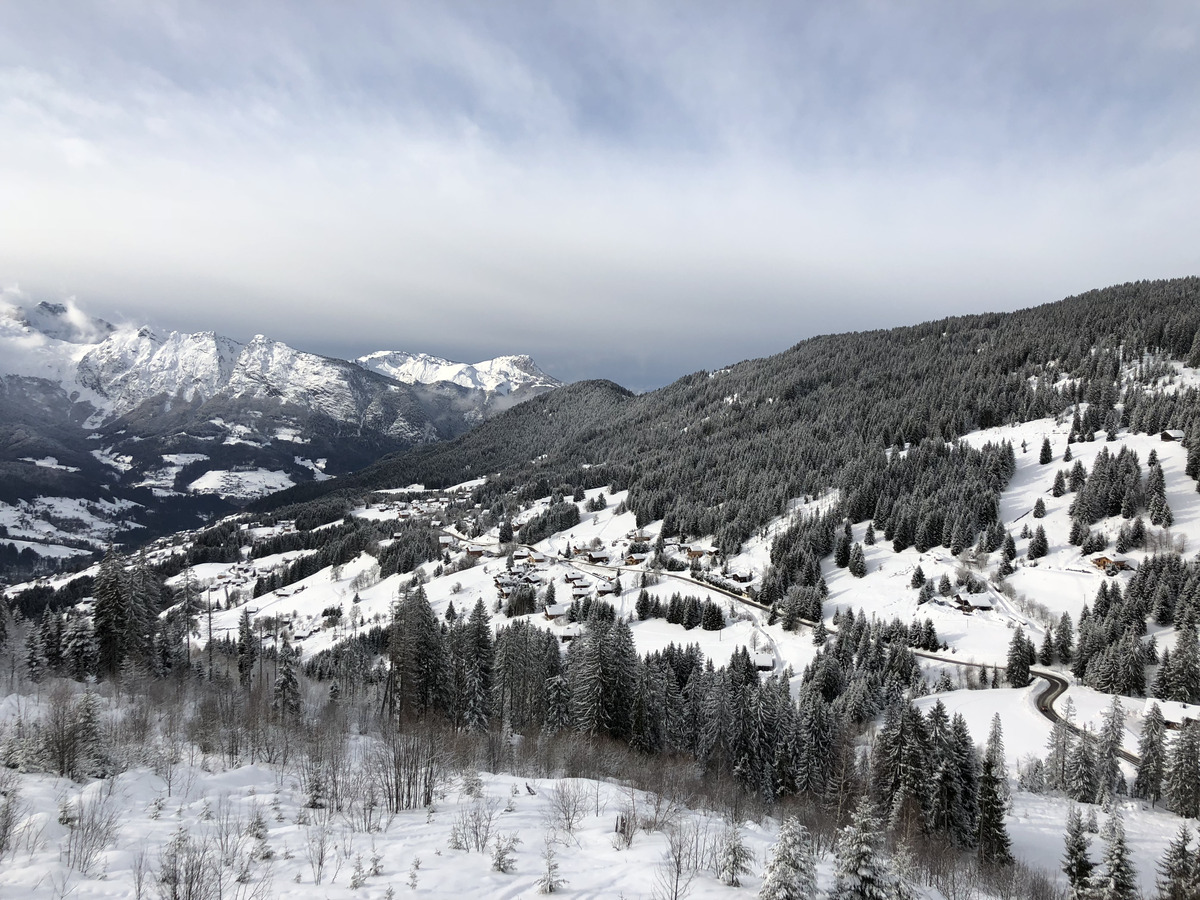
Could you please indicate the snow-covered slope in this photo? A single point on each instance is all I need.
(502, 375)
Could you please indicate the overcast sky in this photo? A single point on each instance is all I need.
(623, 190)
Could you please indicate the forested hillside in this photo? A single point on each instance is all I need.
(722, 452)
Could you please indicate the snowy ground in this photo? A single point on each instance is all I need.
(217, 806)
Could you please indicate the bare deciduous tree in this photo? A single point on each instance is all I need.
(567, 805)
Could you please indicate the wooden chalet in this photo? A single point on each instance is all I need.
(970, 603)
(1111, 566)
(1172, 434)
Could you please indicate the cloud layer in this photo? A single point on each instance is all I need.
(623, 190)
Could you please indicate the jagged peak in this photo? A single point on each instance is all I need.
(502, 374)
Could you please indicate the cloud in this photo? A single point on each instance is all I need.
(623, 190)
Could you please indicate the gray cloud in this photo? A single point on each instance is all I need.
(623, 190)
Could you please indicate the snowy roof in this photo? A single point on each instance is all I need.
(1173, 711)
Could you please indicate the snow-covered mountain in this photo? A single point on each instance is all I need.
(502, 375)
(144, 415)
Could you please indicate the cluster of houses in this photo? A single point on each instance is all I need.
(433, 505)
(239, 575)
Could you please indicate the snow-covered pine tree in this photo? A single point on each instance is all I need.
(1018, 660)
(1118, 881)
(1064, 638)
(1039, 546)
(558, 705)
(1112, 732)
(1177, 869)
(858, 562)
(1083, 781)
(791, 870)
(287, 688)
(1152, 752)
(1077, 864)
(946, 813)
(247, 648)
(1059, 747)
(995, 848)
(860, 873)
(110, 614)
(735, 858)
(1181, 787)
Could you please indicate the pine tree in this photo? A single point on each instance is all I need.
(1083, 782)
(1118, 880)
(858, 562)
(735, 857)
(110, 615)
(587, 684)
(947, 812)
(1039, 508)
(1059, 747)
(995, 848)
(145, 590)
(1060, 484)
(558, 705)
(1181, 787)
(1064, 638)
(791, 870)
(1018, 661)
(1151, 750)
(1077, 865)
(918, 578)
(1038, 545)
(860, 874)
(841, 552)
(287, 689)
(1112, 733)
(1177, 869)
(993, 753)
(78, 647)
(247, 648)
(1047, 453)
(1046, 655)
(35, 659)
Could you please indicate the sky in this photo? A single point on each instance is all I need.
(623, 190)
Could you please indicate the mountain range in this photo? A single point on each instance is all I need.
(102, 426)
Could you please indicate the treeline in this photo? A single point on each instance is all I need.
(689, 611)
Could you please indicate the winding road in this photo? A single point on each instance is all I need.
(1055, 684)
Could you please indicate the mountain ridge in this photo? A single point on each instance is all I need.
(117, 407)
